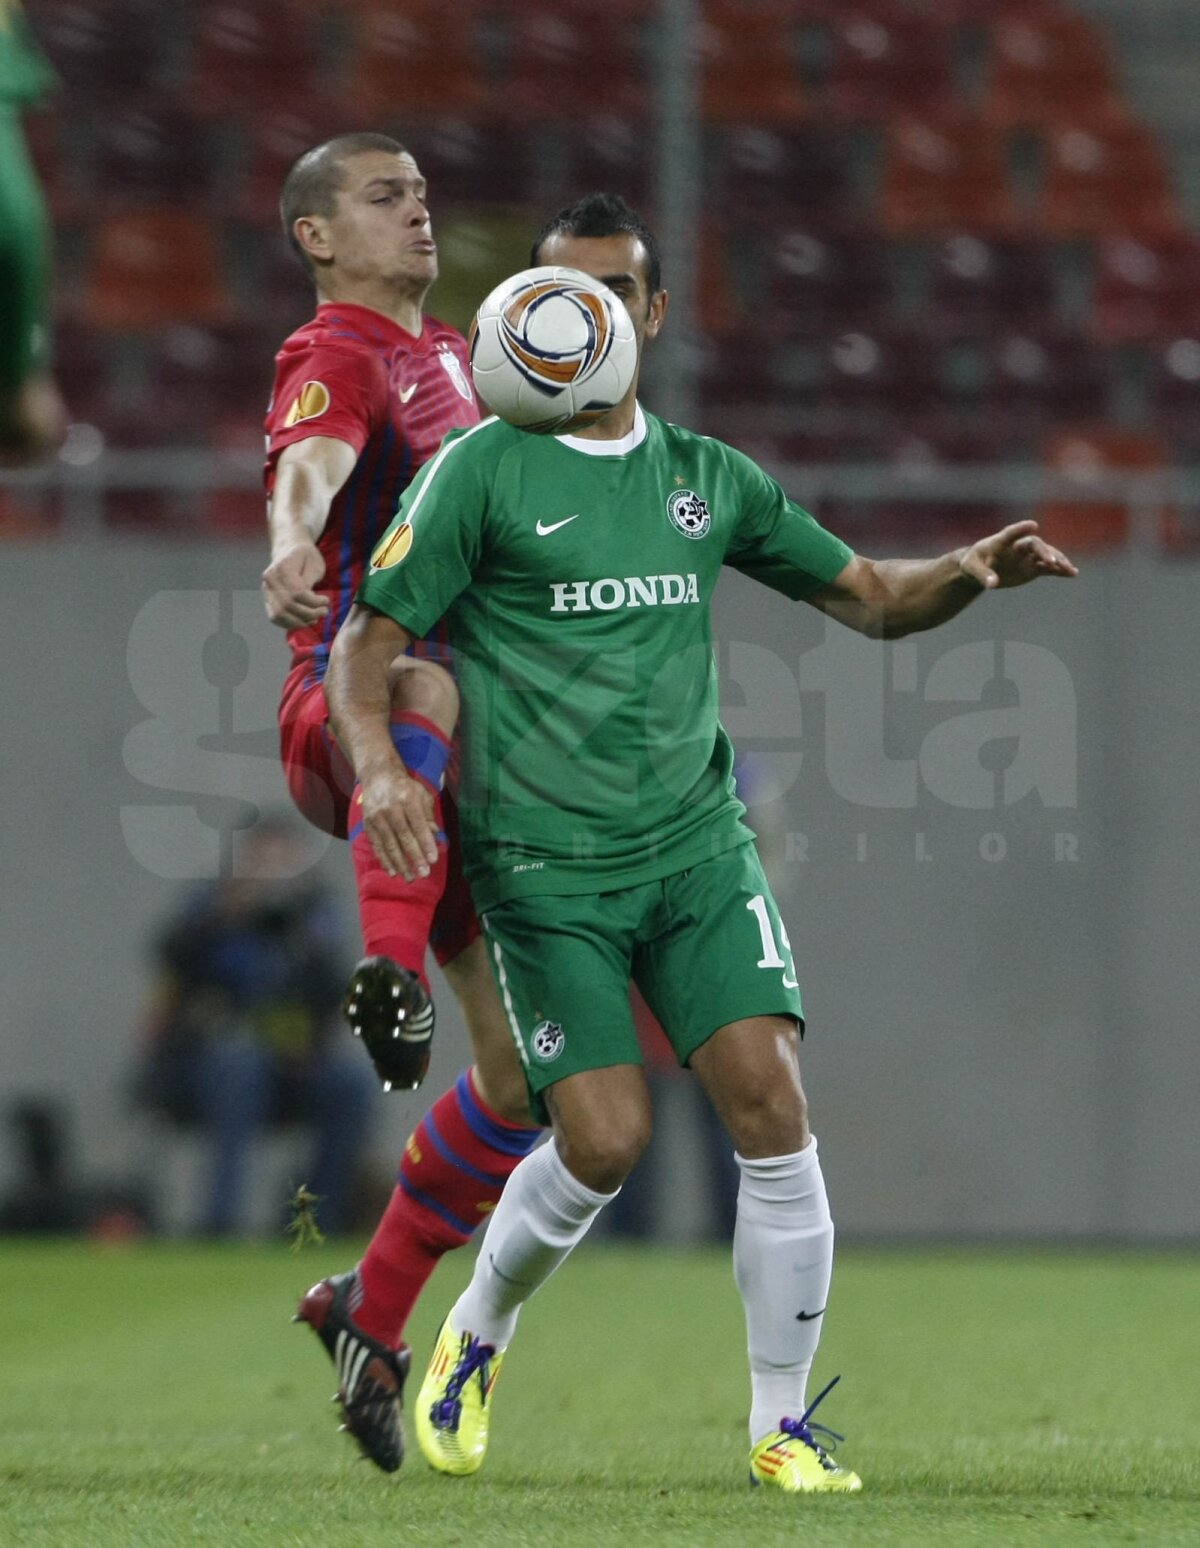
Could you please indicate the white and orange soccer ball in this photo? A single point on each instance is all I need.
(552, 350)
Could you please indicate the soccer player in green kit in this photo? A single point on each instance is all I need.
(602, 834)
(32, 414)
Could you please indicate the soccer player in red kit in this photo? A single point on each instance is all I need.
(363, 395)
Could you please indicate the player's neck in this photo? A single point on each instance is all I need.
(406, 311)
(617, 425)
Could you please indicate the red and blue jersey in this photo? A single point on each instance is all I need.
(356, 376)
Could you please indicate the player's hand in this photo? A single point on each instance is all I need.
(398, 815)
(1012, 557)
(287, 586)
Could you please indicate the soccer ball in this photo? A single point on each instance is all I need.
(552, 350)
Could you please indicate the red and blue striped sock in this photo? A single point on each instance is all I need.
(451, 1176)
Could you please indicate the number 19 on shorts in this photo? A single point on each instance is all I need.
(771, 957)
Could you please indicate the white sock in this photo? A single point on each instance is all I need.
(782, 1261)
(543, 1213)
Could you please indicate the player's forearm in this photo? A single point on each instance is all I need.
(298, 510)
(358, 690)
(916, 594)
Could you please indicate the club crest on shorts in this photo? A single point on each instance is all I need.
(688, 513)
(547, 1041)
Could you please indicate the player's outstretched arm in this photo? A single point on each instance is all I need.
(309, 475)
(397, 809)
(888, 598)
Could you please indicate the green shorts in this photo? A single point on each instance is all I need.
(705, 946)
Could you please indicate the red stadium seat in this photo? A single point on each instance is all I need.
(1175, 392)
(1084, 456)
(748, 67)
(415, 60)
(606, 152)
(979, 287)
(945, 175)
(888, 60)
(1036, 380)
(483, 160)
(198, 376)
(271, 143)
(149, 268)
(254, 56)
(1104, 179)
(1047, 68)
(562, 61)
(1146, 292)
(817, 286)
(108, 51)
(809, 175)
(155, 154)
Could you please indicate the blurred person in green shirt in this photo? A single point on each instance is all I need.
(32, 413)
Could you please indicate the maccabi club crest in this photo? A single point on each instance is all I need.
(689, 513)
(547, 1041)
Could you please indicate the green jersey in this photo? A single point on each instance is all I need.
(24, 74)
(575, 578)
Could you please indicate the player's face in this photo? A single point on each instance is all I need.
(620, 262)
(380, 226)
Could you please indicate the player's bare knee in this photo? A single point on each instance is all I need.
(602, 1155)
(770, 1119)
(424, 688)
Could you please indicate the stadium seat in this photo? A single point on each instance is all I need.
(270, 143)
(155, 154)
(1103, 179)
(944, 175)
(1174, 393)
(979, 287)
(748, 66)
(1047, 68)
(199, 375)
(1036, 380)
(605, 152)
(112, 51)
(1084, 456)
(810, 175)
(253, 56)
(888, 60)
(1146, 292)
(562, 61)
(484, 160)
(149, 268)
(880, 378)
(414, 61)
(819, 285)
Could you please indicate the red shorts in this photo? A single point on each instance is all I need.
(321, 782)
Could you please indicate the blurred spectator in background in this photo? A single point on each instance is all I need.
(247, 1032)
(32, 414)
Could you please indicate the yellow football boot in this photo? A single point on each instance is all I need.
(792, 1459)
(454, 1404)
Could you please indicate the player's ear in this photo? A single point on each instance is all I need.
(312, 233)
(658, 311)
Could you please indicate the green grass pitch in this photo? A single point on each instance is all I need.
(157, 1396)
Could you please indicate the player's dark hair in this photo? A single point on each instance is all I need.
(603, 215)
(313, 184)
